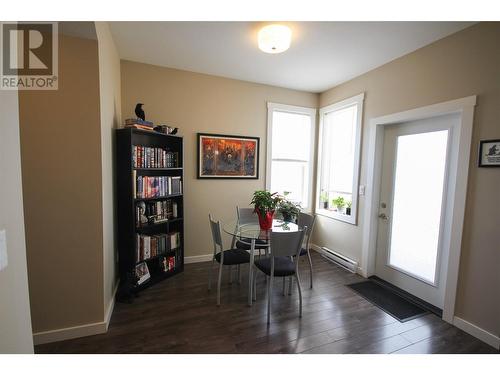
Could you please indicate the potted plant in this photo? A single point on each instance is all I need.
(339, 202)
(348, 208)
(288, 210)
(265, 204)
(323, 198)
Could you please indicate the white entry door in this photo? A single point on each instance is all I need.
(414, 212)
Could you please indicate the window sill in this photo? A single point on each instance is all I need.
(350, 219)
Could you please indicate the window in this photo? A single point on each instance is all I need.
(290, 151)
(338, 162)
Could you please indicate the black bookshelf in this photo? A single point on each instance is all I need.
(127, 200)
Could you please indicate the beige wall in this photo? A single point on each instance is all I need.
(110, 101)
(62, 189)
(15, 321)
(463, 64)
(202, 103)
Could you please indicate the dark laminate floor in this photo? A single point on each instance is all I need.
(180, 316)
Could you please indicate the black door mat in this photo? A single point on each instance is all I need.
(384, 298)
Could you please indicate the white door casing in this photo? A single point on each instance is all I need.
(458, 169)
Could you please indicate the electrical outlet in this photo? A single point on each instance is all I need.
(361, 189)
(3, 250)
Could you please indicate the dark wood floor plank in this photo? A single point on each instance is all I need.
(180, 316)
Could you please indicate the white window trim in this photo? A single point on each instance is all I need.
(271, 107)
(353, 218)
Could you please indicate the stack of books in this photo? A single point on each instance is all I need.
(153, 157)
(138, 123)
(156, 186)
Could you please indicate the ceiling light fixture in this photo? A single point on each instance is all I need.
(275, 38)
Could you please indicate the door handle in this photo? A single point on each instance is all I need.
(383, 216)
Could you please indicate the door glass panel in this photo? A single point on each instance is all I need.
(417, 203)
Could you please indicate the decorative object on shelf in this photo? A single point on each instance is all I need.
(489, 153)
(142, 272)
(288, 210)
(172, 131)
(139, 112)
(165, 129)
(228, 156)
(339, 202)
(141, 214)
(265, 205)
(348, 208)
(323, 198)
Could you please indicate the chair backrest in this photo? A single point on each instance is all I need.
(246, 216)
(306, 220)
(287, 244)
(216, 233)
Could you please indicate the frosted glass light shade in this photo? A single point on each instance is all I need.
(274, 38)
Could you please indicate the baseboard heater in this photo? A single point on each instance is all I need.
(339, 259)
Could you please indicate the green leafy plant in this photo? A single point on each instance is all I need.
(265, 202)
(288, 209)
(339, 202)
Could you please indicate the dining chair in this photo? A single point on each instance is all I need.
(283, 261)
(229, 257)
(248, 216)
(306, 220)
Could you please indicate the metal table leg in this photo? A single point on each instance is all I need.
(250, 272)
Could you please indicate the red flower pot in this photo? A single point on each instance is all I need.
(266, 221)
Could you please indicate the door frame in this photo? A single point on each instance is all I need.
(458, 175)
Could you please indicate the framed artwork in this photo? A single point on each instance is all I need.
(142, 272)
(489, 153)
(228, 156)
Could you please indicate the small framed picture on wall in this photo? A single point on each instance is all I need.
(489, 153)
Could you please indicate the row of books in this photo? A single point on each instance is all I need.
(155, 212)
(154, 245)
(156, 186)
(154, 157)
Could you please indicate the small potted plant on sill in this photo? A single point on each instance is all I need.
(348, 208)
(323, 198)
(339, 202)
(288, 210)
(265, 205)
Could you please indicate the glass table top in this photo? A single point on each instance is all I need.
(252, 230)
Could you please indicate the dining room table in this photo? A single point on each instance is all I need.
(250, 233)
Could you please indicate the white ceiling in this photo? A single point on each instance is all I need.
(322, 54)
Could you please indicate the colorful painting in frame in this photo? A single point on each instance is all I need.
(228, 156)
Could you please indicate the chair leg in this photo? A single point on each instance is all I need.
(269, 298)
(290, 286)
(284, 286)
(310, 267)
(230, 275)
(239, 274)
(300, 294)
(219, 282)
(210, 274)
(254, 289)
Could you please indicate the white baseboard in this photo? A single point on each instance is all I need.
(198, 258)
(483, 335)
(74, 332)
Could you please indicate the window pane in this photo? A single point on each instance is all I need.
(292, 177)
(291, 136)
(416, 214)
(339, 137)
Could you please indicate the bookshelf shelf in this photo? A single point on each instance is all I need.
(159, 247)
